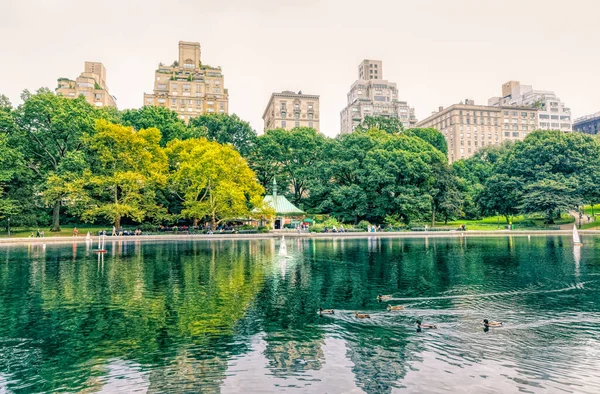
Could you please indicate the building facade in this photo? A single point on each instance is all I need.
(189, 87)
(91, 84)
(287, 110)
(468, 127)
(371, 95)
(552, 114)
(589, 124)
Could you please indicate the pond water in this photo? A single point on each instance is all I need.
(231, 316)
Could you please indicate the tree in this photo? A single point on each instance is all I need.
(371, 175)
(501, 195)
(432, 136)
(48, 129)
(126, 168)
(213, 181)
(389, 124)
(227, 129)
(446, 198)
(165, 120)
(294, 154)
(549, 196)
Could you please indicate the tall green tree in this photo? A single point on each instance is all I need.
(163, 119)
(227, 129)
(213, 181)
(294, 154)
(389, 124)
(549, 196)
(432, 136)
(126, 169)
(370, 175)
(50, 128)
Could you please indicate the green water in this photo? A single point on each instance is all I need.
(231, 316)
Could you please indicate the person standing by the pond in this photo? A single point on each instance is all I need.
(114, 231)
(75, 232)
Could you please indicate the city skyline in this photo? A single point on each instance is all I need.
(437, 58)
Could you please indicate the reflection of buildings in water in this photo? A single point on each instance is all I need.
(378, 368)
(292, 356)
(194, 370)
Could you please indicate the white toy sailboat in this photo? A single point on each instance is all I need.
(101, 244)
(576, 239)
(282, 248)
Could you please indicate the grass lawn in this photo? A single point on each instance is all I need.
(499, 223)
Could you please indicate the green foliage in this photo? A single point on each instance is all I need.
(389, 124)
(163, 119)
(227, 129)
(432, 136)
(213, 181)
(121, 181)
(293, 156)
(549, 196)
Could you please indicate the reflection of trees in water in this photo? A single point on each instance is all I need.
(164, 306)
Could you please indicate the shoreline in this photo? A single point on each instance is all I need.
(275, 235)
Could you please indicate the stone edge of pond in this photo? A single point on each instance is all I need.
(221, 237)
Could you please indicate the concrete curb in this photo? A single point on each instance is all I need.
(222, 237)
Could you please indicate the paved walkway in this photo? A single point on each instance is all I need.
(575, 214)
(229, 237)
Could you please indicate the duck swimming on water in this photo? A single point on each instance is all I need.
(362, 315)
(395, 307)
(424, 325)
(326, 311)
(487, 323)
(384, 297)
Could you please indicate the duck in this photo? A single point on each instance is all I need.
(424, 325)
(362, 315)
(383, 297)
(395, 307)
(326, 311)
(487, 323)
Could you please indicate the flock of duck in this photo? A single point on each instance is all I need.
(420, 325)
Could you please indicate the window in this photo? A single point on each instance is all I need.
(283, 106)
(174, 86)
(161, 86)
(523, 114)
(283, 123)
(297, 115)
(515, 134)
(297, 124)
(188, 65)
(506, 134)
(310, 124)
(310, 116)
(283, 114)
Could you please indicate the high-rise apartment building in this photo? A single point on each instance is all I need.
(189, 87)
(468, 127)
(371, 95)
(91, 84)
(553, 115)
(287, 110)
(589, 124)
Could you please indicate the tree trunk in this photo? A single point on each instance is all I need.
(432, 216)
(213, 222)
(507, 219)
(118, 223)
(195, 223)
(56, 217)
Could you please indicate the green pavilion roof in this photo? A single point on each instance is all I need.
(281, 205)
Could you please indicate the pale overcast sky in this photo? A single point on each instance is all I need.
(439, 52)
